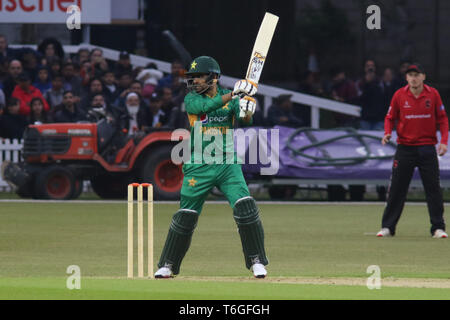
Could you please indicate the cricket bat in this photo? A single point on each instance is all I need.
(260, 49)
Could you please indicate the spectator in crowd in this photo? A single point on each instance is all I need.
(400, 78)
(95, 87)
(100, 109)
(389, 88)
(150, 77)
(68, 111)
(132, 104)
(77, 71)
(311, 84)
(152, 116)
(6, 53)
(72, 82)
(25, 92)
(175, 76)
(343, 90)
(54, 96)
(13, 124)
(55, 67)
(14, 69)
(29, 60)
(81, 56)
(123, 65)
(109, 80)
(43, 82)
(135, 87)
(85, 71)
(50, 49)
(123, 87)
(99, 101)
(98, 63)
(167, 102)
(38, 115)
(281, 113)
(371, 97)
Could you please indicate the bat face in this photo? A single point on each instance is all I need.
(255, 67)
(261, 47)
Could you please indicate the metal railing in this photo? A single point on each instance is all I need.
(268, 92)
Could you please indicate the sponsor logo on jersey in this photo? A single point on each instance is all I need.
(418, 116)
(428, 103)
(204, 118)
(218, 119)
(406, 105)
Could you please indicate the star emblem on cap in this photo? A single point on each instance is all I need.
(193, 65)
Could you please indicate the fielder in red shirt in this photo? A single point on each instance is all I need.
(417, 112)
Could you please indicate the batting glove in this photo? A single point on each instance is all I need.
(244, 87)
(247, 105)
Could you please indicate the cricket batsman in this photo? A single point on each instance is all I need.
(212, 110)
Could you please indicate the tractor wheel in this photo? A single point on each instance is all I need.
(55, 183)
(110, 186)
(25, 191)
(166, 177)
(78, 189)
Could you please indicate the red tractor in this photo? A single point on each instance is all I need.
(59, 157)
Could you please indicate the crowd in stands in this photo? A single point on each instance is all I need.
(48, 85)
(373, 93)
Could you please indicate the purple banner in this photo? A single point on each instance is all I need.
(298, 160)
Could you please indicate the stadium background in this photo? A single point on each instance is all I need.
(412, 29)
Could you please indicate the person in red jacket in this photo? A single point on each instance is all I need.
(418, 111)
(25, 92)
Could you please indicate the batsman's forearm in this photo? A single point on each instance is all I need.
(227, 98)
(246, 121)
(199, 106)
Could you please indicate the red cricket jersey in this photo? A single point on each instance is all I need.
(417, 118)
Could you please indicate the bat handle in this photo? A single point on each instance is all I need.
(242, 114)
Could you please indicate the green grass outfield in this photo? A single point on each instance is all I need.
(318, 251)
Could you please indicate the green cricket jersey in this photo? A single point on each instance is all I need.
(210, 120)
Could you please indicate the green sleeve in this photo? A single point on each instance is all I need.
(197, 104)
